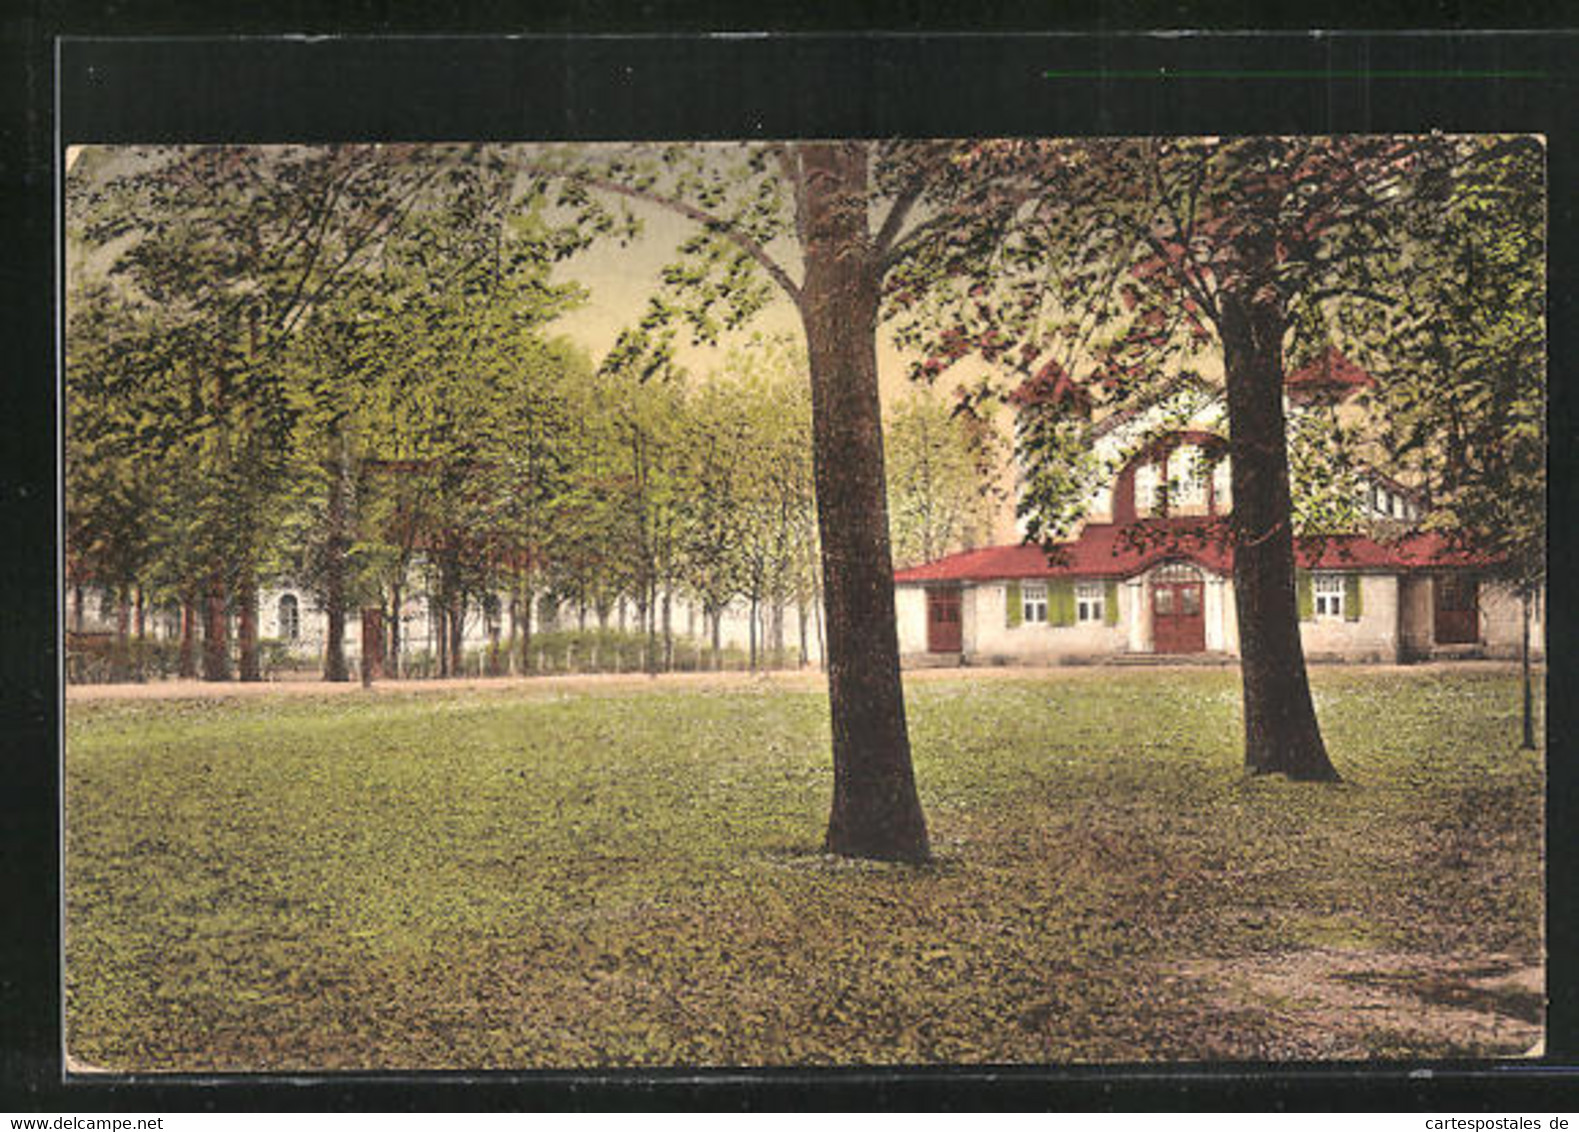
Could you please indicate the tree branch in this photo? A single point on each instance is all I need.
(698, 215)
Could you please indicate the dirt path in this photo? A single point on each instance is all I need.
(1361, 1004)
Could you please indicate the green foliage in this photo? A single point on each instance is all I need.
(553, 878)
(1462, 354)
(942, 468)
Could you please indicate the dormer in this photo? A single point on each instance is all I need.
(1181, 475)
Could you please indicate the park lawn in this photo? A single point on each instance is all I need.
(537, 877)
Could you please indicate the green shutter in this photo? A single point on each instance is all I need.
(1305, 592)
(1014, 609)
(1061, 602)
(1352, 608)
(1110, 604)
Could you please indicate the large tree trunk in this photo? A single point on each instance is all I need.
(876, 811)
(216, 633)
(1281, 734)
(249, 667)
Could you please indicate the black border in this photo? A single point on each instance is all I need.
(661, 84)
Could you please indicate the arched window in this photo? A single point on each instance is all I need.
(290, 618)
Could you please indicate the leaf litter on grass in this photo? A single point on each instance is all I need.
(633, 878)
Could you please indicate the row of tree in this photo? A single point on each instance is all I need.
(417, 427)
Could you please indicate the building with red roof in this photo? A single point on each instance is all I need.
(1150, 571)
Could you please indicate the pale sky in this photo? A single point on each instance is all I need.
(620, 281)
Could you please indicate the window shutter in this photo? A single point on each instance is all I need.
(1013, 609)
(1351, 597)
(1110, 604)
(1061, 602)
(1305, 592)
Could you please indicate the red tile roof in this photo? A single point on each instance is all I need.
(1108, 550)
(1332, 370)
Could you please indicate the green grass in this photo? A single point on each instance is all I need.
(530, 878)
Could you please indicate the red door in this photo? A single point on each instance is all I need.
(1177, 620)
(1457, 610)
(943, 624)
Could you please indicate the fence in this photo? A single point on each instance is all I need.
(95, 658)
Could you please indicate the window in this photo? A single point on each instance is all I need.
(1145, 489)
(1088, 601)
(1329, 595)
(290, 618)
(1187, 484)
(1033, 596)
(1222, 487)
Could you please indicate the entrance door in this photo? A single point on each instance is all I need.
(943, 623)
(1457, 609)
(1177, 620)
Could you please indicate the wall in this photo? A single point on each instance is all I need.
(1501, 623)
(1374, 637)
(910, 610)
(989, 640)
(1414, 605)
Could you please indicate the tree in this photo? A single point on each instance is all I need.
(1152, 251)
(854, 217)
(1461, 360)
(941, 480)
(237, 246)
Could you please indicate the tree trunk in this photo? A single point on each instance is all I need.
(392, 638)
(1524, 661)
(668, 630)
(652, 628)
(526, 633)
(372, 645)
(456, 616)
(1281, 733)
(437, 633)
(121, 653)
(751, 635)
(339, 544)
(249, 667)
(78, 613)
(216, 633)
(186, 658)
(718, 639)
(876, 812)
(800, 622)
